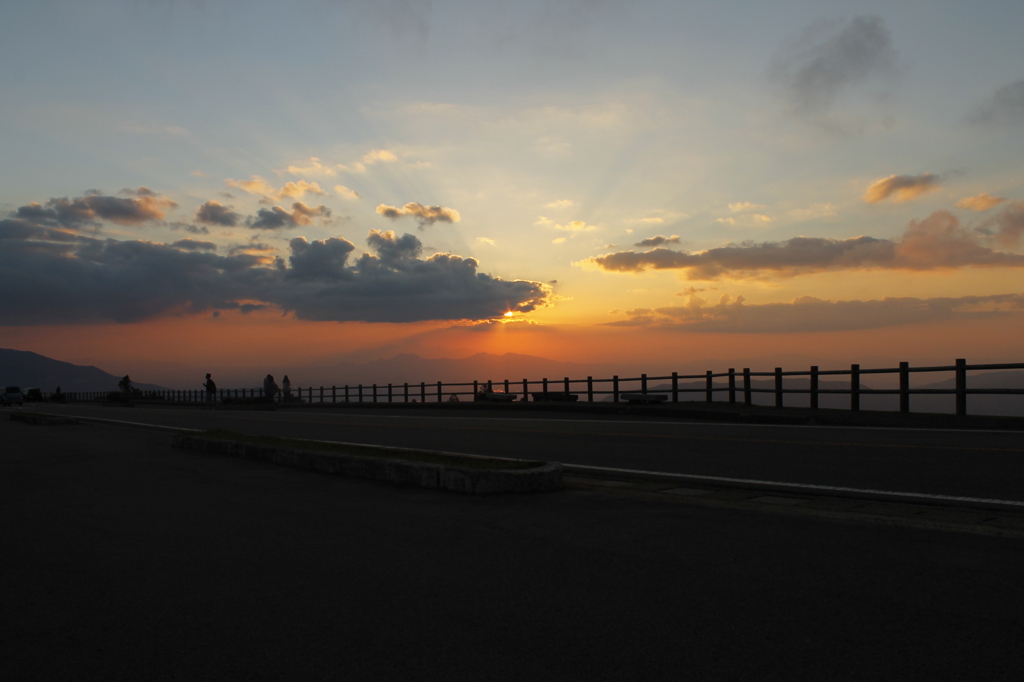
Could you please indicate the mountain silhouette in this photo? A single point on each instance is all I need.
(26, 369)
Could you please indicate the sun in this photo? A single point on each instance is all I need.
(509, 314)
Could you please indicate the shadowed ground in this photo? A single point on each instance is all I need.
(124, 559)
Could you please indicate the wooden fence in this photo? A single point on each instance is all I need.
(737, 386)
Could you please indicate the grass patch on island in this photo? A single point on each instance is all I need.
(425, 456)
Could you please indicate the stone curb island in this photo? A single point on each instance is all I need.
(544, 477)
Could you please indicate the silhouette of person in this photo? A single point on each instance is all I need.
(286, 388)
(211, 390)
(269, 387)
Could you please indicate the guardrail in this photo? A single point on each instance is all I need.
(736, 385)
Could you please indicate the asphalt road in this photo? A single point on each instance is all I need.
(126, 560)
(974, 464)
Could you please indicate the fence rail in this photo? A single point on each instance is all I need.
(740, 386)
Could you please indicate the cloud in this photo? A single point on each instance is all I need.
(314, 168)
(215, 213)
(574, 226)
(830, 57)
(937, 242)
(255, 185)
(744, 206)
(657, 241)
(980, 203)
(1005, 107)
(293, 190)
(560, 203)
(275, 218)
(95, 207)
(194, 245)
(343, 191)
(901, 187)
(487, 241)
(812, 212)
(193, 229)
(745, 219)
(1008, 226)
(809, 314)
(424, 215)
(379, 156)
(296, 190)
(77, 278)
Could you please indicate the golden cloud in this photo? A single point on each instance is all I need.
(901, 187)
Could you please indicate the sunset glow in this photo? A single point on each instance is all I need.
(649, 184)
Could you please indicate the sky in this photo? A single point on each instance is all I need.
(206, 184)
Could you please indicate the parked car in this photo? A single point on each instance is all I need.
(34, 395)
(12, 395)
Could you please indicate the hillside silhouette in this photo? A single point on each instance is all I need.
(27, 369)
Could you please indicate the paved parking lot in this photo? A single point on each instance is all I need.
(126, 560)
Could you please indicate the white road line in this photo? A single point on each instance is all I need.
(660, 474)
(802, 486)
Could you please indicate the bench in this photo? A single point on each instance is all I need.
(643, 397)
(554, 396)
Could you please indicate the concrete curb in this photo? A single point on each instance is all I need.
(544, 477)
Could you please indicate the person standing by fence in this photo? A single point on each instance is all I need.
(286, 389)
(269, 388)
(211, 391)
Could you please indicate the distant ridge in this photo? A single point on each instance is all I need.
(26, 369)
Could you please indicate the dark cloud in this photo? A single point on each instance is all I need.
(190, 228)
(94, 207)
(77, 278)
(657, 241)
(424, 215)
(276, 218)
(1005, 107)
(937, 242)
(325, 260)
(194, 245)
(215, 213)
(901, 187)
(809, 314)
(830, 57)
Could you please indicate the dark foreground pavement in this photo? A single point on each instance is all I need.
(125, 560)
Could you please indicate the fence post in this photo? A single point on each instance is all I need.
(961, 387)
(334, 394)
(904, 387)
(732, 385)
(375, 393)
(615, 388)
(423, 391)
(709, 384)
(567, 384)
(778, 387)
(590, 389)
(360, 393)
(643, 383)
(854, 388)
(675, 387)
(440, 398)
(814, 387)
(389, 393)
(475, 389)
(506, 385)
(747, 400)
(544, 384)
(346, 393)
(526, 390)
(321, 395)
(405, 391)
